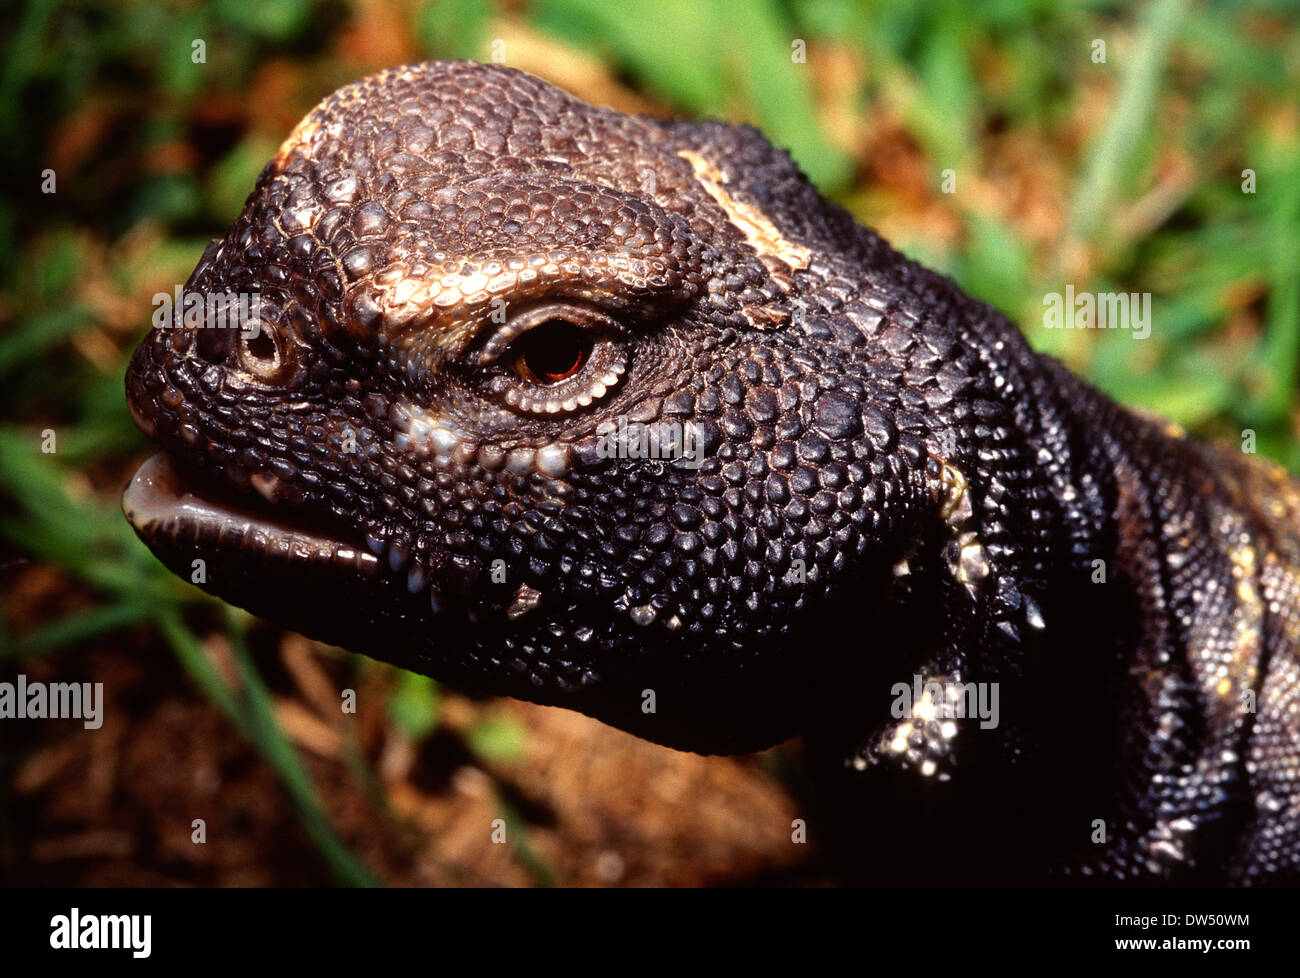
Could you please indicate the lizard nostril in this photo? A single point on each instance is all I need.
(262, 352)
(262, 347)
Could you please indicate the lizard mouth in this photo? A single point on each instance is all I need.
(178, 513)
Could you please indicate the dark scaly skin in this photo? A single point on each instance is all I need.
(947, 490)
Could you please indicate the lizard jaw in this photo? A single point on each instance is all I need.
(171, 513)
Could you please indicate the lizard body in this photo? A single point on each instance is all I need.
(470, 287)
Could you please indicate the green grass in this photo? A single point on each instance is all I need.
(1209, 87)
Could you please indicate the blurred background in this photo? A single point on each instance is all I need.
(1115, 147)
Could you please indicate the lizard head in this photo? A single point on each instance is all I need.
(548, 401)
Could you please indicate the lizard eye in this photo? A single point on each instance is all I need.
(555, 357)
(551, 352)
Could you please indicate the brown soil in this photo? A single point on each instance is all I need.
(115, 806)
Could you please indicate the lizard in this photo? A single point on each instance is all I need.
(619, 414)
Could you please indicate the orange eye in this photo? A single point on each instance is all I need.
(551, 352)
(553, 358)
